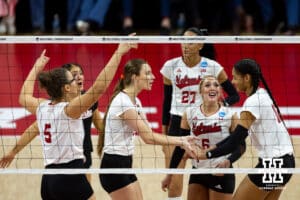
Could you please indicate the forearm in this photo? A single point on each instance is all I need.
(234, 140)
(30, 133)
(233, 96)
(167, 104)
(237, 153)
(105, 77)
(176, 157)
(108, 73)
(159, 139)
(165, 129)
(28, 86)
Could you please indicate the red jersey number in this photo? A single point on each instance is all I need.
(188, 97)
(205, 143)
(47, 133)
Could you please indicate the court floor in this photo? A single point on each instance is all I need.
(27, 187)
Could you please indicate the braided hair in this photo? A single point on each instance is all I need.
(251, 67)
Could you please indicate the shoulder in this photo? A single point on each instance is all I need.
(172, 61)
(120, 97)
(260, 97)
(227, 112)
(211, 62)
(210, 66)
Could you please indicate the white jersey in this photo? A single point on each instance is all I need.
(185, 81)
(119, 137)
(210, 130)
(62, 136)
(268, 134)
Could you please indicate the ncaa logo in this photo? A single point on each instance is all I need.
(272, 177)
(203, 64)
(222, 114)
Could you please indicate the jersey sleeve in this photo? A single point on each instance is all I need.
(217, 68)
(121, 104)
(166, 70)
(253, 106)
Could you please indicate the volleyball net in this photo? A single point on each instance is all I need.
(278, 56)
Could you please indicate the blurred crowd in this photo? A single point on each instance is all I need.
(87, 17)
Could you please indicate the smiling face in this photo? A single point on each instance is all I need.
(210, 90)
(146, 78)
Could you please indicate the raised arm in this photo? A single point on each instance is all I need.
(30, 133)
(26, 98)
(81, 103)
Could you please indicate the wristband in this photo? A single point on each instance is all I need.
(208, 154)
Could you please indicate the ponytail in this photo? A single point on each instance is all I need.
(271, 96)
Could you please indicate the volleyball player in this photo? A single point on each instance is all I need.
(60, 122)
(123, 120)
(181, 77)
(210, 122)
(260, 118)
(91, 115)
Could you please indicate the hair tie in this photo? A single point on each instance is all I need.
(122, 76)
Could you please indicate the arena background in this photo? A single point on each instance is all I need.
(279, 63)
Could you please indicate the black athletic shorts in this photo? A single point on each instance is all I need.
(61, 186)
(272, 181)
(223, 184)
(88, 159)
(113, 182)
(174, 129)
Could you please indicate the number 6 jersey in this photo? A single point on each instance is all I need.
(210, 130)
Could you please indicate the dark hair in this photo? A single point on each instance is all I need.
(53, 81)
(132, 67)
(251, 67)
(68, 66)
(208, 49)
(197, 31)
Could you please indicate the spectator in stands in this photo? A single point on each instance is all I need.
(92, 15)
(7, 11)
(165, 25)
(293, 16)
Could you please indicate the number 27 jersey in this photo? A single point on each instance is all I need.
(185, 81)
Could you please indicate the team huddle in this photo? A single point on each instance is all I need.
(198, 124)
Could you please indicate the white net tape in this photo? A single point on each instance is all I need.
(154, 171)
(149, 39)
